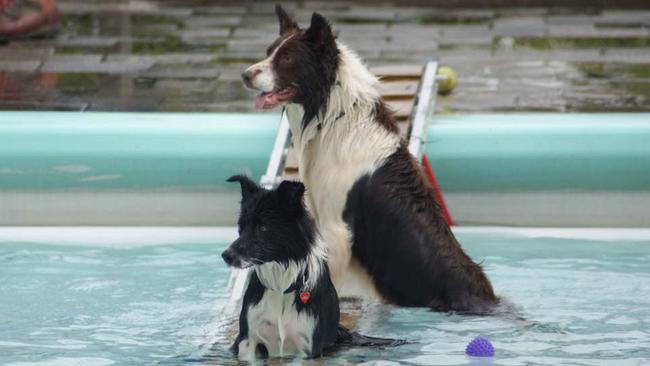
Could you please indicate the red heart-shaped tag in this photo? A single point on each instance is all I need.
(304, 297)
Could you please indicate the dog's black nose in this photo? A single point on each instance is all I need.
(229, 256)
(246, 76)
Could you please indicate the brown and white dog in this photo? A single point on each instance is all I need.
(384, 232)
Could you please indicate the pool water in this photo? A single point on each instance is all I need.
(570, 302)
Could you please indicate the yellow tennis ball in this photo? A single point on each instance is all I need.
(448, 81)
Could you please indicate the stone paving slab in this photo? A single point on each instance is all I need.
(212, 21)
(89, 41)
(357, 14)
(142, 103)
(132, 7)
(182, 72)
(232, 72)
(168, 58)
(161, 29)
(230, 56)
(18, 52)
(196, 33)
(466, 40)
(319, 5)
(573, 19)
(626, 55)
(625, 16)
(572, 30)
(268, 7)
(249, 45)
(255, 34)
(219, 10)
(363, 28)
(520, 27)
(41, 105)
(521, 11)
(466, 35)
(227, 106)
(426, 46)
(591, 31)
(94, 64)
(72, 63)
(198, 86)
(19, 66)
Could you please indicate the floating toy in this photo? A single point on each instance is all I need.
(480, 347)
(446, 79)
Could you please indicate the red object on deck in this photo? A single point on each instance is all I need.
(436, 190)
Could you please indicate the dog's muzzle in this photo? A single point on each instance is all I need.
(231, 258)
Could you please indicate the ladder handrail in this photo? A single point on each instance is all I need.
(423, 110)
(270, 179)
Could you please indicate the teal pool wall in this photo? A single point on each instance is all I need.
(541, 152)
(514, 152)
(62, 150)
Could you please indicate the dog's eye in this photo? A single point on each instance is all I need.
(287, 59)
(262, 228)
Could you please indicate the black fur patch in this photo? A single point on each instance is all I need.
(401, 238)
(384, 116)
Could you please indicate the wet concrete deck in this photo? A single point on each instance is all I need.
(162, 56)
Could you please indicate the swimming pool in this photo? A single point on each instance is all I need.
(157, 296)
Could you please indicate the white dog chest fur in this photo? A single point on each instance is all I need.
(276, 323)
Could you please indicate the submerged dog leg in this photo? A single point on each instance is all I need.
(282, 334)
(346, 338)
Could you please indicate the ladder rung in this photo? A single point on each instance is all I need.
(398, 72)
(398, 89)
(401, 108)
(292, 159)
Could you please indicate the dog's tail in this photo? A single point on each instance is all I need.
(346, 338)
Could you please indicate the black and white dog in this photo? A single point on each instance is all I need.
(376, 212)
(290, 306)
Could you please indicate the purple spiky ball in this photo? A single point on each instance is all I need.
(480, 347)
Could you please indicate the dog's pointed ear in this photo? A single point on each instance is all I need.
(320, 31)
(248, 187)
(292, 193)
(286, 23)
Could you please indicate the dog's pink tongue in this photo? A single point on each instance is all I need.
(265, 100)
(259, 100)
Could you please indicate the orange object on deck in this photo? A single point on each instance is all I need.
(436, 190)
